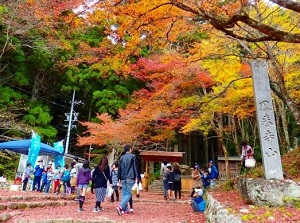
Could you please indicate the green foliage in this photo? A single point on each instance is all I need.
(8, 97)
(39, 118)
(91, 35)
(255, 172)
(38, 115)
(154, 176)
(227, 185)
(48, 133)
(295, 202)
(40, 58)
(144, 52)
(9, 166)
(94, 35)
(110, 101)
(195, 36)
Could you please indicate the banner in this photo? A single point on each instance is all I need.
(34, 149)
(59, 159)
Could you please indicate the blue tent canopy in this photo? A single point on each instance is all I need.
(22, 146)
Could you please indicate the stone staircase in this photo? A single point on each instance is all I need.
(13, 204)
(156, 186)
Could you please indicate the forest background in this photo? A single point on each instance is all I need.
(146, 71)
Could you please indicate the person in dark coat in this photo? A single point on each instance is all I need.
(177, 181)
(128, 175)
(38, 172)
(100, 176)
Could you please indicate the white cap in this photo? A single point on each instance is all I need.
(199, 191)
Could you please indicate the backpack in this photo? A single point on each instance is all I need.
(177, 177)
(66, 176)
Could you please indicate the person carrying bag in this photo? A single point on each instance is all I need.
(247, 156)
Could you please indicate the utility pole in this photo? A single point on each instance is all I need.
(90, 149)
(71, 119)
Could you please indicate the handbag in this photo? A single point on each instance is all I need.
(134, 188)
(140, 186)
(109, 189)
(250, 163)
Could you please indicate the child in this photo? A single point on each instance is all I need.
(65, 179)
(49, 180)
(44, 181)
(56, 178)
(170, 180)
(115, 180)
(198, 203)
(206, 179)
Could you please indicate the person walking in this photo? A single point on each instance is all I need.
(27, 174)
(100, 176)
(163, 173)
(82, 182)
(139, 183)
(170, 180)
(77, 166)
(115, 181)
(177, 181)
(128, 173)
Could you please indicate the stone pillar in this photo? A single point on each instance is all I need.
(266, 121)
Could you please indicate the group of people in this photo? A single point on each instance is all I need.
(45, 178)
(206, 177)
(203, 178)
(123, 172)
(171, 176)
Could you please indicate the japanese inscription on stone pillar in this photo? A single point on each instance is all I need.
(266, 121)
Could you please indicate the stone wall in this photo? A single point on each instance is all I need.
(273, 193)
(217, 213)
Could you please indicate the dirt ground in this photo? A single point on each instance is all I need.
(148, 208)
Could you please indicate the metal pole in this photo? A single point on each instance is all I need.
(90, 149)
(70, 124)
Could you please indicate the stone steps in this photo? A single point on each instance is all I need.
(13, 205)
(156, 186)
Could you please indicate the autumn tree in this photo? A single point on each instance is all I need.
(254, 22)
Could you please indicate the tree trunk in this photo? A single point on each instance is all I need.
(219, 132)
(278, 86)
(235, 135)
(282, 114)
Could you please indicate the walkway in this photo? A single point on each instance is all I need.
(34, 207)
